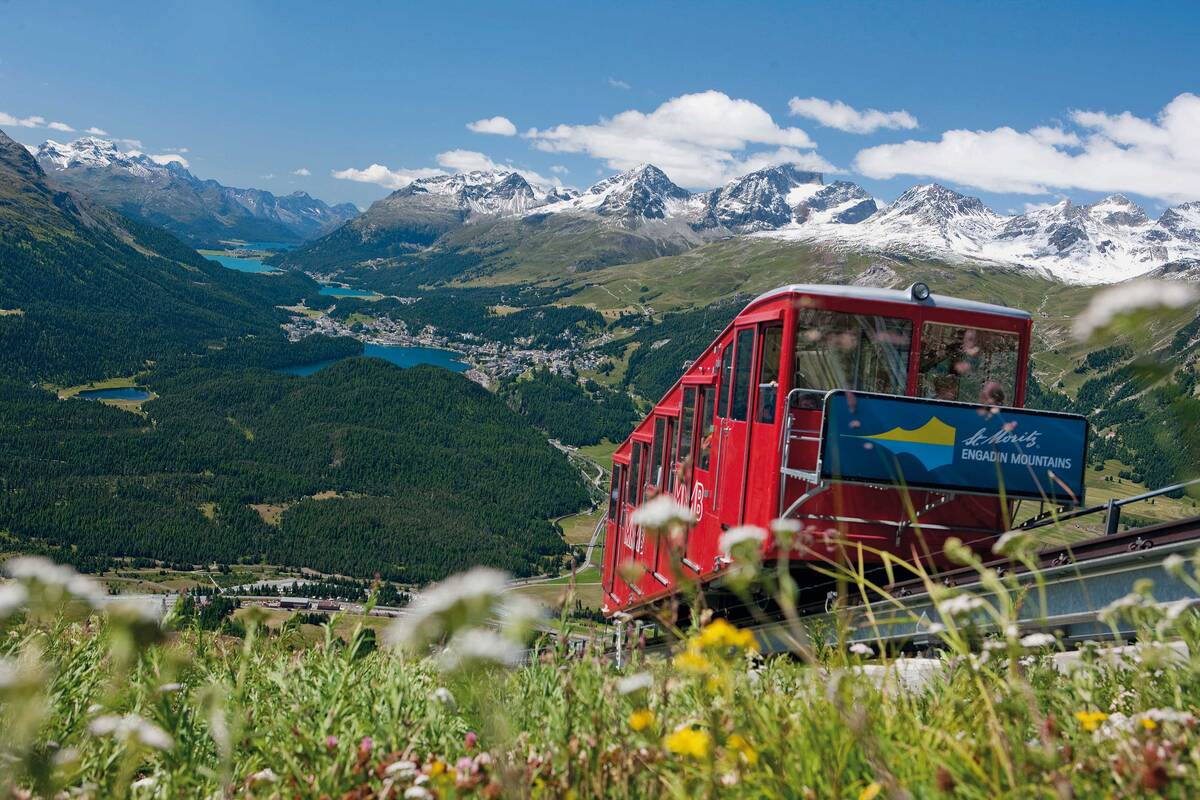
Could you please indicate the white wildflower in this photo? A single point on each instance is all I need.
(1113, 609)
(167, 688)
(861, 649)
(785, 525)
(131, 727)
(1174, 563)
(960, 605)
(443, 696)
(1013, 543)
(265, 775)
(460, 601)
(636, 682)
(742, 535)
(520, 615)
(1126, 298)
(477, 647)
(144, 783)
(40, 571)
(661, 513)
(13, 597)
(1037, 640)
(401, 770)
(1174, 610)
(417, 793)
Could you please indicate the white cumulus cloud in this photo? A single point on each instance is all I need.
(60, 126)
(1157, 157)
(699, 140)
(303, 172)
(385, 177)
(94, 131)
(617, 83)
(501, 126)
(23, 122)
(559, 169)
(836, 114)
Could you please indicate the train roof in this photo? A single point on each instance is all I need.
(893, 296)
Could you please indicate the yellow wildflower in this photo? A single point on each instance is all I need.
(691, 660)
(871, 792)
(1148, 723)
(743, 747)
(641, 719)
(437, 767)
(1090, 720)
(689, 741)
(720, 634)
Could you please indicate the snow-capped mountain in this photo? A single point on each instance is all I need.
(161, 191)
(485, 192)
(762, 200)
(631, 198)
(642, 211)
(1104, 242)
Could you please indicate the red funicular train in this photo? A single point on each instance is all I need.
(737, 437)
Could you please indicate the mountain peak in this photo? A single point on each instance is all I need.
(1117, 209)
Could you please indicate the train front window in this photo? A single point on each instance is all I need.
(849, 351)
(971, 365)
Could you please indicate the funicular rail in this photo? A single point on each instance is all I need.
(1077, 582)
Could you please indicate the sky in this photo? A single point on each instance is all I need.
(1021, 104)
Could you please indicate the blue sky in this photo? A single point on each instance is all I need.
(255, 89)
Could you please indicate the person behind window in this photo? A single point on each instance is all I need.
(945, 387)
(992, 394)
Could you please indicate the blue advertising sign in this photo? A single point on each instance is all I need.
(953, 447)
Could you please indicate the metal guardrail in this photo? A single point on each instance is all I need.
(1112, 509)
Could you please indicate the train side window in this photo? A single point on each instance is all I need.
(654, 472)
(726, 377)
(705, 404)
(686, 424)
(614, 495)
(740, 401)
(635, 462)
(669, 458)
(768, 373)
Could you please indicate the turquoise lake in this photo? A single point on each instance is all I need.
(400, 356)
(342, 291)
(241, 264)
(122, 393)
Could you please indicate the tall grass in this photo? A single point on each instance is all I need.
(109, 705)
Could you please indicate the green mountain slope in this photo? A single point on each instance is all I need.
(88, 294)
(419, 473)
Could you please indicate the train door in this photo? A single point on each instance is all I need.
(703, 541)
(665, 428)
(762, 469)
(735, 403)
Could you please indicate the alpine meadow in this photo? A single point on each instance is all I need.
(567, 401)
